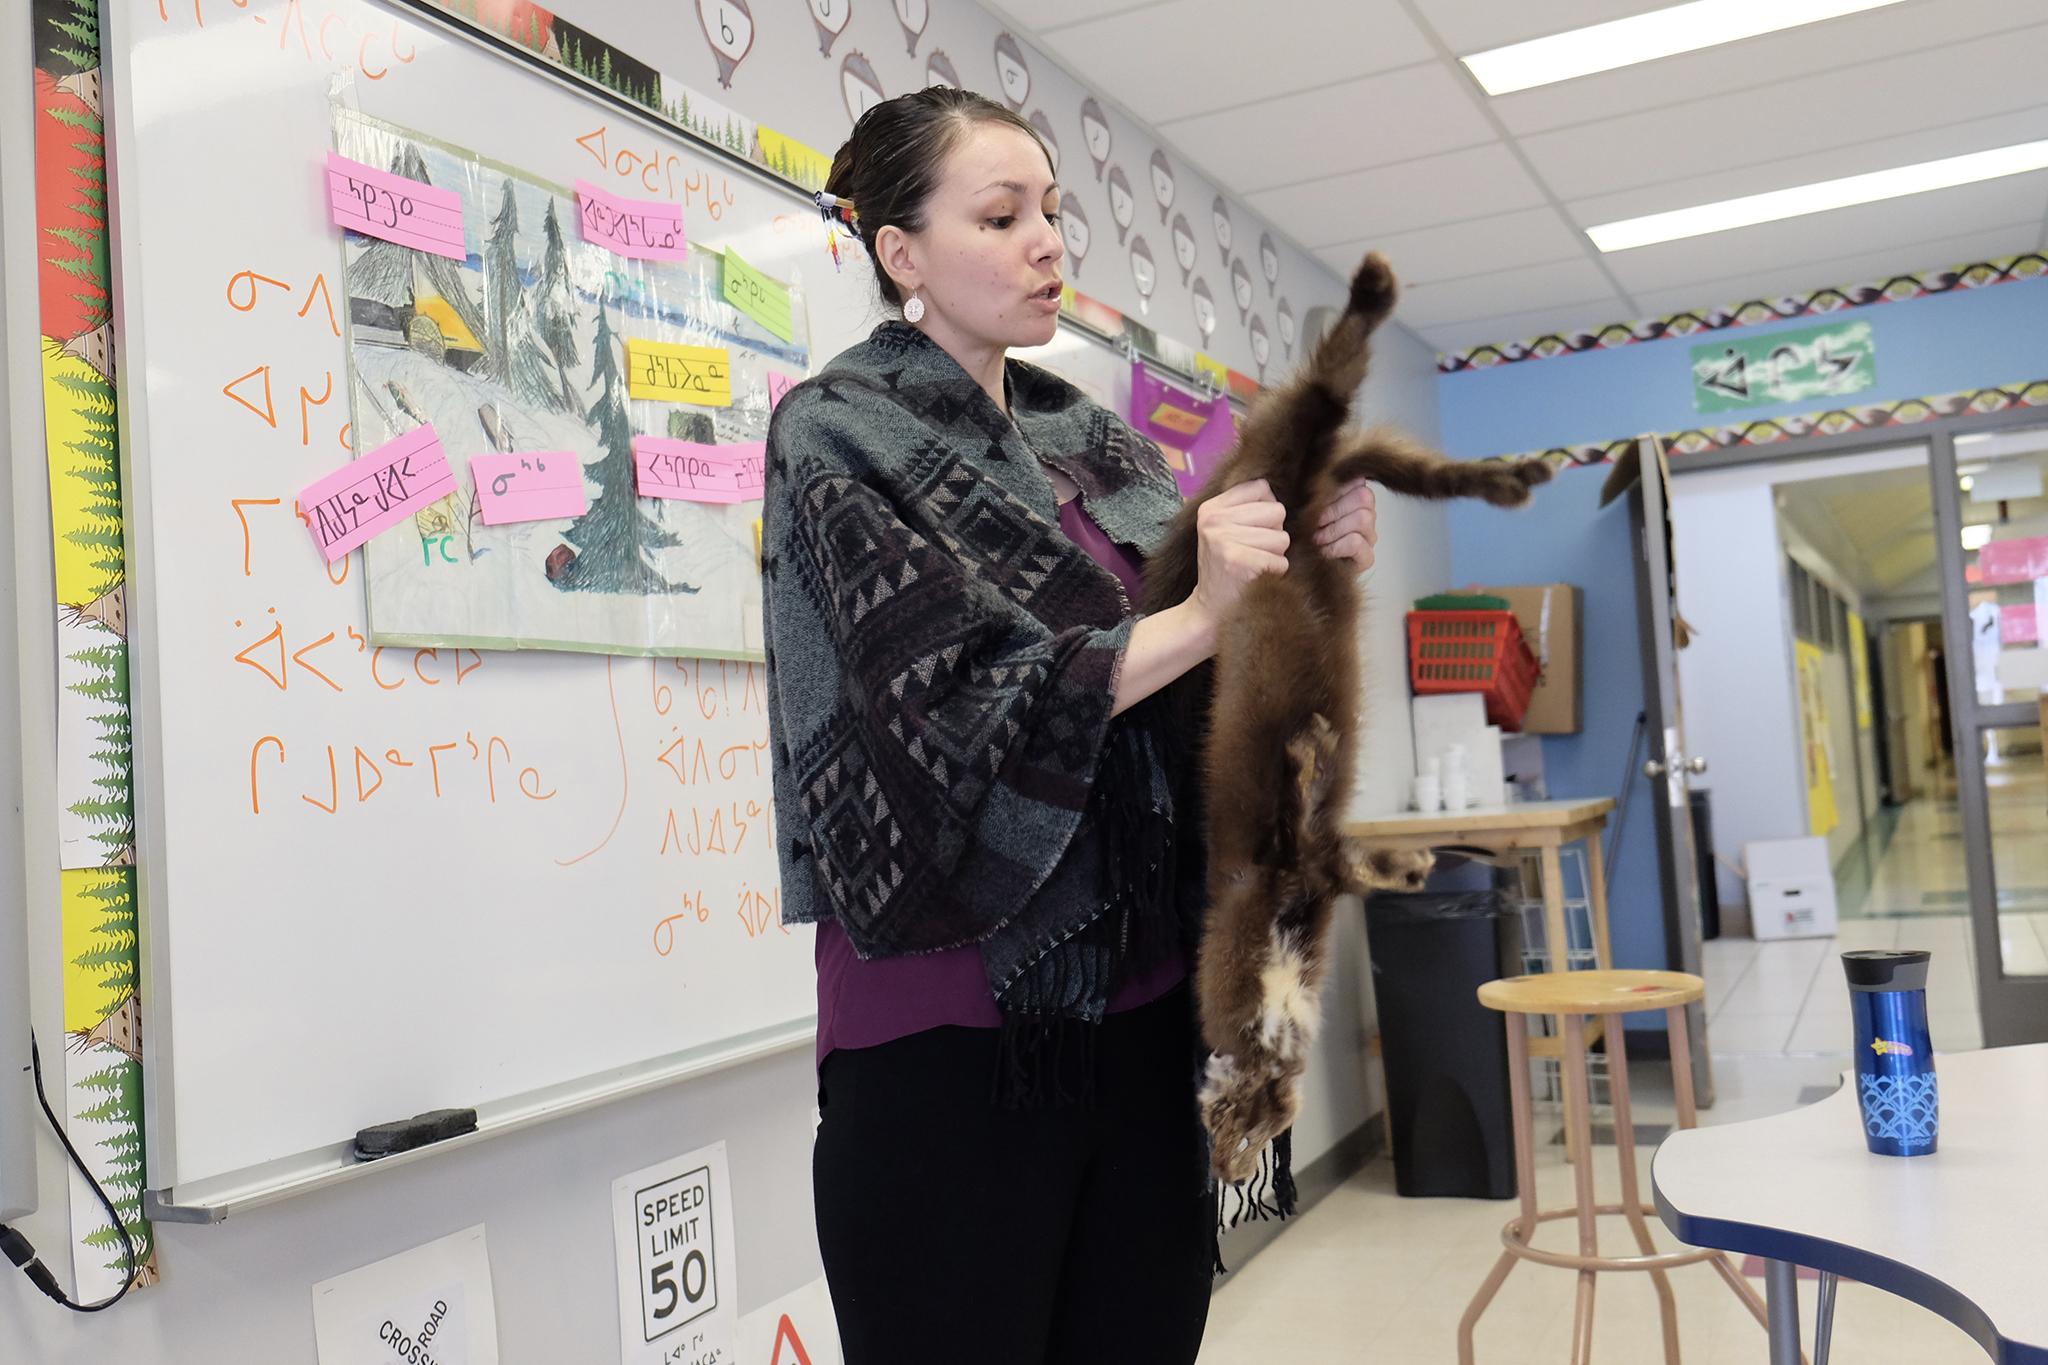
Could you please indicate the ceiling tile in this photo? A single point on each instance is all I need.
(1475, 183)
(1530, 237)
(1840, 109)
(1469, 26)
(1190, 57)
(1047, 15)
(1907, 150)
(1503, 292)
(1416, 111)
(1569, 317)
(1825, 236)
(1793, 55)
(1858, 267)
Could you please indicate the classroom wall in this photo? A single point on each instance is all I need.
(240, 1290)
(1566, 537)
(1737, 681)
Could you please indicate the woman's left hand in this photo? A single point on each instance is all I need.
(1350, 526)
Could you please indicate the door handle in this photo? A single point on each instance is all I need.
(1653, 769)
(1696, 765)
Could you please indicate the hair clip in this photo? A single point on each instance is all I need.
(836, 209)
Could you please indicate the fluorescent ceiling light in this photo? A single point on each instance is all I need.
(1646, 37)
(1977, 537)
(1821, 196)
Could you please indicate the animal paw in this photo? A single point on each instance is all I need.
(1508, 484)
(1389, 869)
(1244, 1107)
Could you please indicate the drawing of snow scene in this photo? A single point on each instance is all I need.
(521, 348)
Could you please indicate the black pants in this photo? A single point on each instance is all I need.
(955, 1230)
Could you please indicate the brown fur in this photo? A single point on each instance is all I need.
(1279, 749)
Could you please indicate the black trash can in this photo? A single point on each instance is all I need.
(1446, 1055)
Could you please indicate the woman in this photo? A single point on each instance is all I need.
(978, 795)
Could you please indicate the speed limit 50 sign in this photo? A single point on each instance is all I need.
(673, 1224)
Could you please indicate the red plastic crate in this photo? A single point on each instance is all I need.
(1473, 651)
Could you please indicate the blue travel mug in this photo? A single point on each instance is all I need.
(1894, 1056)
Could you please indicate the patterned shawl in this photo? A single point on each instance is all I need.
(941, 665)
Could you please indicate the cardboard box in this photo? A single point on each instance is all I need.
(1549, 615)
(1791, 889)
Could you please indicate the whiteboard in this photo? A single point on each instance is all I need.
(379, 880)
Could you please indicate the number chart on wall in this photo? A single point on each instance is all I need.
(452, 752)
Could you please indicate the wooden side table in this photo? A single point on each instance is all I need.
(1546, 826)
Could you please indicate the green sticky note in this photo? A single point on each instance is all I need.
(760, 298)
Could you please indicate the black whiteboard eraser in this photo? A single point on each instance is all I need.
(389, 1139)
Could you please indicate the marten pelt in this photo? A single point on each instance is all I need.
(1279, 744)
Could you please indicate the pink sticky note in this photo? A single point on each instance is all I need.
(529, 485)
(380, 204)
(2018, 625)
(2014, 561)
(693, 472)
(645, 229)
(778, 385)
(376, 492)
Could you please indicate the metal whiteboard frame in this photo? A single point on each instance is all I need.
(28, 622)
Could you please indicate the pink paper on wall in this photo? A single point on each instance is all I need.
(694, 472)
(376, 492)
(2014, 561)
(529, 485)
(644, 229)
(778, 385)
(379, 204)
(2018, 625)
(1194, 432)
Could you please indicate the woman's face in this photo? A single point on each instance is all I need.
(987, 264)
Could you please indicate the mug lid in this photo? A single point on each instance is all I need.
(1881, 967)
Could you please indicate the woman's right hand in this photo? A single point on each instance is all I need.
(1239, 536)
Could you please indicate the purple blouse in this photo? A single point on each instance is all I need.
(864, 1004)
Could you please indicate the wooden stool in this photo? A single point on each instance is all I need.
(1575, 995)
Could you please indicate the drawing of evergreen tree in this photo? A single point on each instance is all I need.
(112, 957)
(111, 812)
(121, 1085)
(557, 305)
(97, 477)
(501, 279)
(613, 539)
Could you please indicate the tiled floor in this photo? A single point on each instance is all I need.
(1369, 1277)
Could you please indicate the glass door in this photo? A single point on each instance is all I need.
(1992, 535)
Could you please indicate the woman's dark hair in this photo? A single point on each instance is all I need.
(891, 164)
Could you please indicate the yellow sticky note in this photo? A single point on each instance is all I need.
(1214, 368)
(760, 298)
(679, 374)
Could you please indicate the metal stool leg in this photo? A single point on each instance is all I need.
(1525, 1177)
(1631, 1192)
(1577, 1104)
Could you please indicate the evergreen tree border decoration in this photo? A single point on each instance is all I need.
(103, 1083)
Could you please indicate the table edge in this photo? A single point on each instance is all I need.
(1850, 1262)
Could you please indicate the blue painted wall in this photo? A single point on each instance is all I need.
(1941, 344)
(1565, 537)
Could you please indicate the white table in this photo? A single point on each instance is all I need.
(1963, 1231)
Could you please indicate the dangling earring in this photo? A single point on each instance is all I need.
(913, 308)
